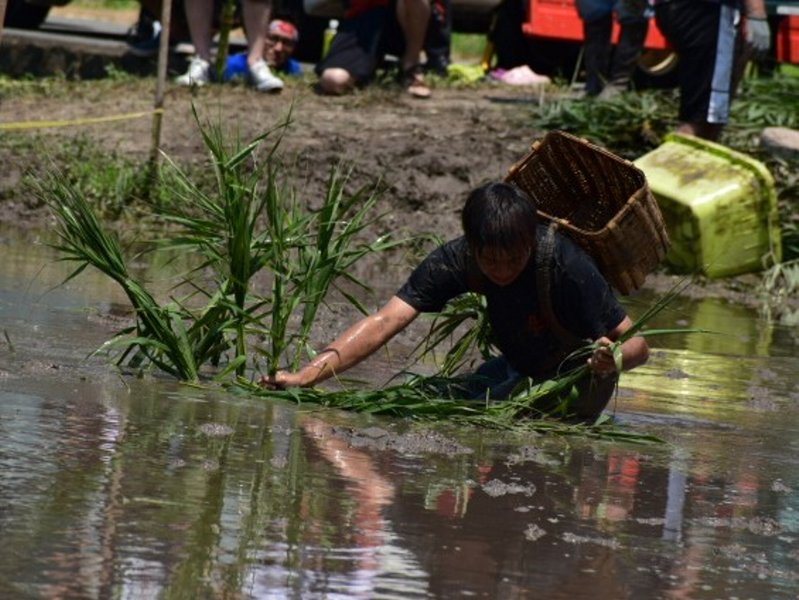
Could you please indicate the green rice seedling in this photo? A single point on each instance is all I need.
(252, 222)
(629, 123)
(779, 286)
(223, 228)
(424, 399)
(249, 223)
(454, 320)
(159, 333)
(337, 244)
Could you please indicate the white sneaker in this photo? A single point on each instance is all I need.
(262, 78)
(199, 73)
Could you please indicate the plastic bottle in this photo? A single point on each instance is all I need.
(329, 34)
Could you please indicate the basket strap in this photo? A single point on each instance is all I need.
(545, 251)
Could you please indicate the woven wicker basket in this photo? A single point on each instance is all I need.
(602, 201)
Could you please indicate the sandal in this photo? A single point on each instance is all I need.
(412, 81)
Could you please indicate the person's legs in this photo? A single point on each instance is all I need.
(597, 17)
(353, 56)
(705, 36)
(597, 50)
(335, 81)
(413, 17)
(495, 379)
(255, 14)
(199, 15)
(634, 20)
(438, 39)
(594, 395)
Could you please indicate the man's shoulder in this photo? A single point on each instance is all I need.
(292, 67)
(566, 249)
(571, 259)
(453, 252)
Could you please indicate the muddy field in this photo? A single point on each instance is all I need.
(426, 155)
(422, 156)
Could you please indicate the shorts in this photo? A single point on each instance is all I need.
(362, 41)
(705, 36)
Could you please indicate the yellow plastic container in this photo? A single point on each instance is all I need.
(719, 206)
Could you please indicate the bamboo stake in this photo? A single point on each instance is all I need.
(226, 24)
(2, 17)
(163, 59)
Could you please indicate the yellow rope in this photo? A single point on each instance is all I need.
(70, 122)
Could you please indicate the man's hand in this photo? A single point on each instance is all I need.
(602, 362)
(758, 34)
(281, 380)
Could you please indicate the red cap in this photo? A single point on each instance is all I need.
(284, 29)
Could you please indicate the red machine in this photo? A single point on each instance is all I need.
(558, 19)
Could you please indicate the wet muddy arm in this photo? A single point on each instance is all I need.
(357, 343)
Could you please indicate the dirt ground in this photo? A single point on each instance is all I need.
(424, 155)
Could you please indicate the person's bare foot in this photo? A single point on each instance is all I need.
(414, 84)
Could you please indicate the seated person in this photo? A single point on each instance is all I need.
(369, 30)
(255, 15)
(281, 39)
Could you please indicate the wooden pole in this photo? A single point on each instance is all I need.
(2, 17)
(160, 85)
(225, 26)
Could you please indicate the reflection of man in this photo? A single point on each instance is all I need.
(370, 489)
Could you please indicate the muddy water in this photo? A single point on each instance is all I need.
(113, 486)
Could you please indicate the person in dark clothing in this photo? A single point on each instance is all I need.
(713, 50)
(608, 70)
(499, 256)
(371, 29)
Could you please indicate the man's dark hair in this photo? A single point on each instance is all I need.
(499, 215)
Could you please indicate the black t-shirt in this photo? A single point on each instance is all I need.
(582, 300)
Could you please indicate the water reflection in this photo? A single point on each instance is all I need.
(140, 488)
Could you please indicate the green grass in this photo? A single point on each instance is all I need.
(106, 4)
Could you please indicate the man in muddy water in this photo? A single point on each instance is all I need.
(507, 256)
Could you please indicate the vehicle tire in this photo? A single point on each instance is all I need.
(657, 69)
(22, 15)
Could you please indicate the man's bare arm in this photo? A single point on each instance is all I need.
(357, 343)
